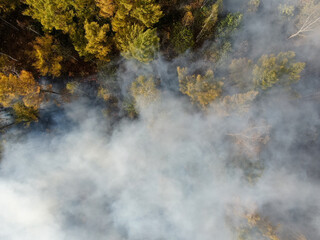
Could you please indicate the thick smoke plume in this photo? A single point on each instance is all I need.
(165, 176)
(170, 174)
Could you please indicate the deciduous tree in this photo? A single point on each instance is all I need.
(7, 6)
(68, 16)
(51, 14)
(308, 19)
(107, 8)
(282, 69)
(144, 90)
(25, 114)
(47, 56)
(201, 89)
(147, 12)
(19, 88)
(237, 103)
(99, 44)
(144, 12)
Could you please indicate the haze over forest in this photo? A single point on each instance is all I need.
(159, 119)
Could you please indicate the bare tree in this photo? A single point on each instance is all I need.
(251, 139)
(309, 25)
(308, 18)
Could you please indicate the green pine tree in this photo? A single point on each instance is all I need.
(135, 42)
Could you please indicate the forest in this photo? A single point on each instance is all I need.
(160, 119)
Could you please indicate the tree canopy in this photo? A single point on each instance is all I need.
(135, 42)
(201, 89)
(47, 56)
(281, 69)
(23, 87)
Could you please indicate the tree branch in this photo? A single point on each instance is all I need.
(9, 56)
(307, 26)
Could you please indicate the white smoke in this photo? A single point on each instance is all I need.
(168, 174)
(164, 176)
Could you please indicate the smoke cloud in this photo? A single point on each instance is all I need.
(171, 173)
(164, 176)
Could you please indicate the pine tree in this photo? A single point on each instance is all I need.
(98, 42)
(201, 89)
(281, 69)
(47, 55)
(136, 43)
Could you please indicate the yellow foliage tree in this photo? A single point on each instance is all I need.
(8, 6)
(258, 228)
(132, 23)
(144, 90)
(51, 13)
(281, 69)
(68, 16)
(107, 8)
(6, 64)
(47, 55)
(201, 89)
(24, 114)
(15, 88)
(122, 15)
(188, 19)
(147, 12)
(73, 87)
(253, 5)
(98, 42)
(144, 12)
(104, 93)
(237, 103)
(251, 224)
